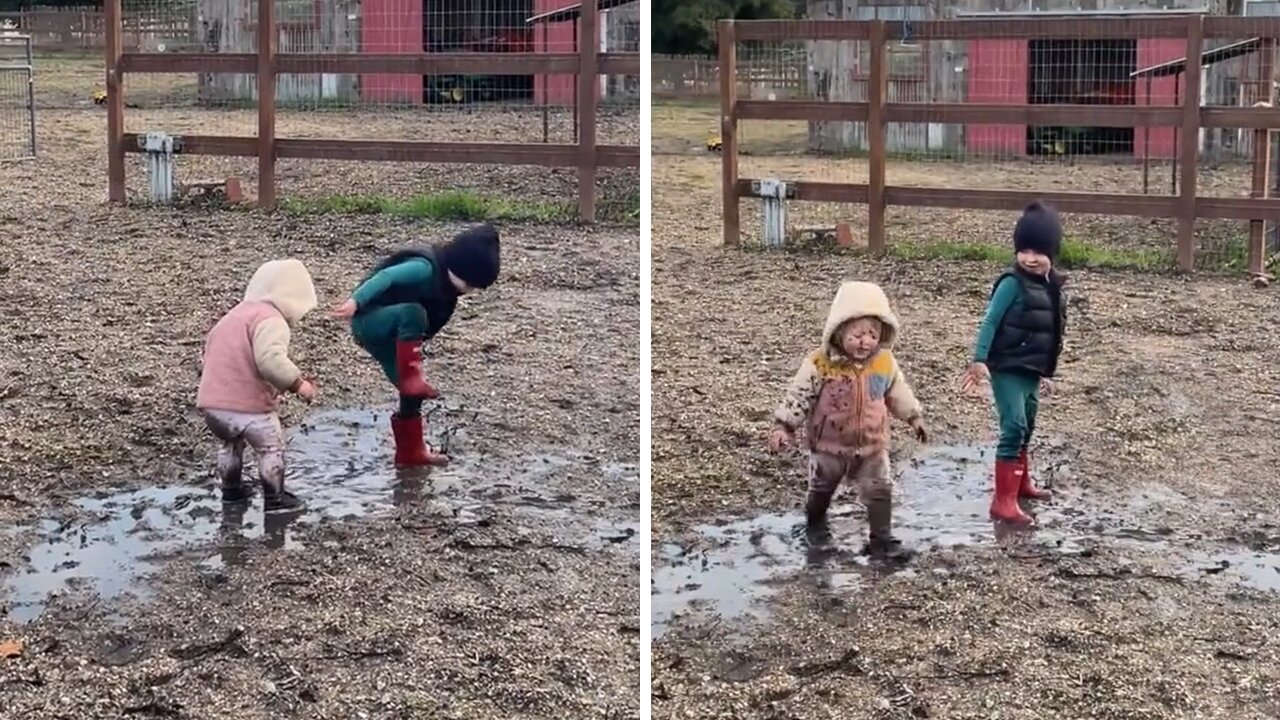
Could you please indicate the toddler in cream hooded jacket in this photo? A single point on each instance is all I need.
(843, 396)
(246, 366)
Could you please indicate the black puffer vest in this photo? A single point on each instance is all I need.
(1029, 340)
(439, 301)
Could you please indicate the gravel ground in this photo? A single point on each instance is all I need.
(1167, 384)
(404, 613)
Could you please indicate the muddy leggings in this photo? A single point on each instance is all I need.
(871, 473)
(262, 432)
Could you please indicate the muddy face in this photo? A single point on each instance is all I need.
(860, 338)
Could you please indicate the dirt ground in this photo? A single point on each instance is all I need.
(488, 590)
(1159, 439)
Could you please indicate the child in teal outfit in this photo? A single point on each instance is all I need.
(405, 301)
(1018, 346)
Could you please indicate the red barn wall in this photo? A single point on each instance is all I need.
(557, 38)
(394, 27)
(1157, 143)
(997, 74)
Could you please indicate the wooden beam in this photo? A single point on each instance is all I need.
(780, 30)
(1015, 200)
(246, 63)
(266, 104)
(877, 93)
(588, 104)
(1261, 185)
(217, 145)
(1190, 150)
(1234, 27)
(727, 40)
(801, 110)
(115, 102)
(806, 191)
(1068, 115)
(1238, 208)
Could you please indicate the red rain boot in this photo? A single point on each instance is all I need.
(1004, 503)
(1026, 488)
(409, 370)
(411, 449)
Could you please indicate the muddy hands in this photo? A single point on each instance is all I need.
(345, 311)
(974, 378)
(780, 438)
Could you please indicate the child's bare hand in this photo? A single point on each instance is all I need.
(345, 311)
(974, 377)
(307, 390)
(917, 425)
(779, 438)
(1047, 386)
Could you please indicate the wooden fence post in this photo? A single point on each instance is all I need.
(1262, 160)
(1190, 153)
(588, 100)
(115, 101)
(726, 38)
(877, 84)
(266, 104)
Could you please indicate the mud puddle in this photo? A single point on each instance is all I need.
(942, 497)
(340, 463)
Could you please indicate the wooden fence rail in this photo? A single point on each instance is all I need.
(587, 63)
(876, 112)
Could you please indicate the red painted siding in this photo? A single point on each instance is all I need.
(391, 26)
(1161, 143)
(557, 38)
(997, 74)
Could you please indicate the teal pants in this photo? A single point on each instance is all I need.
(1017, 399)
(378, 330)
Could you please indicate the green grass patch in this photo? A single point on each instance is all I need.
(450, 205)
(1076, 254)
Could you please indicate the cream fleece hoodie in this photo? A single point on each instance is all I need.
(246, 358)
(868, 386)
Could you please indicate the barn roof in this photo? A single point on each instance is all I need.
(1208, 57)
(571, 12)
(1078, 13)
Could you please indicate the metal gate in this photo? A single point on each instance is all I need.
(17, 98)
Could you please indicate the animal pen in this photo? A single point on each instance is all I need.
(1019, 88)
(394, 57)
(17, 98)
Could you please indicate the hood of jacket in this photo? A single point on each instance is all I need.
(287, 285)
(860, 299)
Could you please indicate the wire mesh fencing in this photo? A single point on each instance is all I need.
(949, 95)
(17, 98)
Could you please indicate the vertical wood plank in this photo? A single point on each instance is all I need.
(266, 104)
(588, 101)
(1190, 151)
(726, 38)
(115, 101)
(877, 87)
(1262, 159)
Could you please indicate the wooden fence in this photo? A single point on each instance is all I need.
(587, 64)
(1188, 118)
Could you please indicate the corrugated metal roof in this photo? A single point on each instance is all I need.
(1208, 57)
(1078, 13)
(571, 12)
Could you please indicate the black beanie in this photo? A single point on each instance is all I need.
(473, 256)
(1038, 229)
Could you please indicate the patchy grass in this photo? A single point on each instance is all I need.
(1075, 255)
(448, 205)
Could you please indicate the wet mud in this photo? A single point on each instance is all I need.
(339, 462)
(730, 570)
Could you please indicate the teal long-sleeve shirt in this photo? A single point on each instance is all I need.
(404, 280)
(1006, 293)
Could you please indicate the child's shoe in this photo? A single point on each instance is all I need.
(409, 370)
(236, 493)
(1004, 502)
(281, 502)
(411, 448)
(1027, 488)
(816, 506)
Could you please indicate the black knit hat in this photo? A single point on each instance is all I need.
(473, 255)
(1038, 229)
